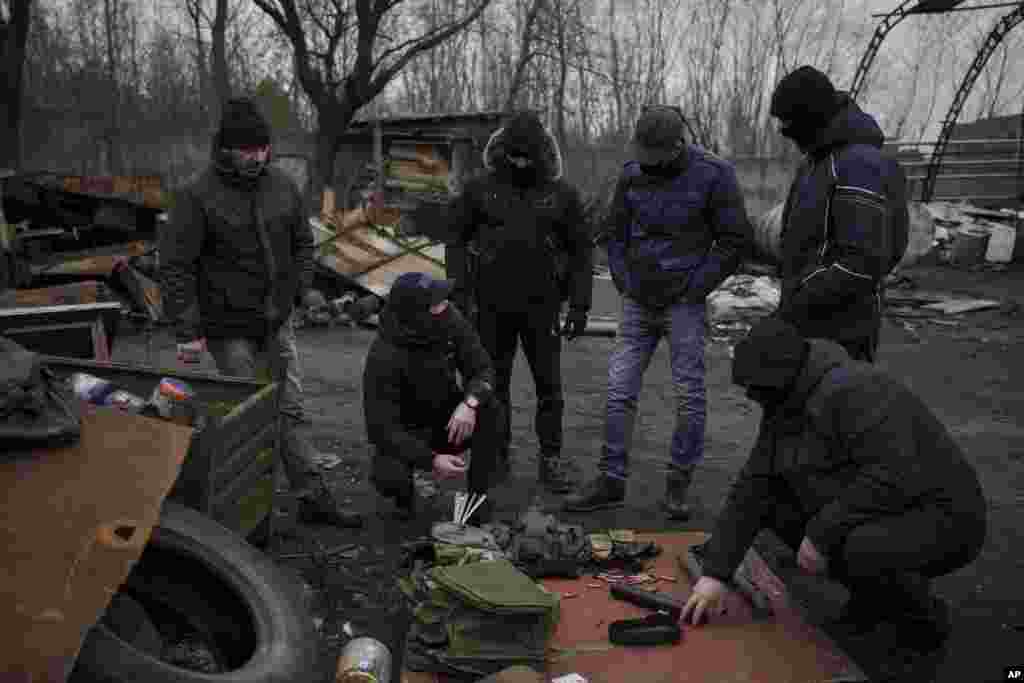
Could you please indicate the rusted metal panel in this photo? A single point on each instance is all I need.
(87, 292)
(93, 266)
(73, 520)
(780, 649)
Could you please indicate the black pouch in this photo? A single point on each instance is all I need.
(655, 629)
(37, 409)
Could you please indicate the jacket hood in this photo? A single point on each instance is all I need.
(550, 163)
(822, 357)
(851, 126)
(408, 334)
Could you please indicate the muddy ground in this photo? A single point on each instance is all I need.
(968, 368)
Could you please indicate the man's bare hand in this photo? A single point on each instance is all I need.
(809, 559)
(448, 466)
(461, 424)
(710, 599)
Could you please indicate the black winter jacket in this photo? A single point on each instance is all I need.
(852, 445)
(244, 254)
(521, 231)
(835, 231)
(408, 377)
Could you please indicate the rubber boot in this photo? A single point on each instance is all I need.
(676, 486)
(600, 493)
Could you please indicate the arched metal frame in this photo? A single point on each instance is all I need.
(995, 37)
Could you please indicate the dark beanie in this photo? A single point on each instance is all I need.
(770, 356)
(524, 134)
(805, 97)
(242, 125)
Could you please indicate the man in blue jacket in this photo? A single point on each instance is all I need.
(678, 229)
(844, 223)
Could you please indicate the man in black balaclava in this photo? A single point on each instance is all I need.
(858, 476)
(417, 415)
(526, 225)
(239, 251)
(845, 221)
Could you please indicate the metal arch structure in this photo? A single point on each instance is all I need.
(995, 37)
(888, 23)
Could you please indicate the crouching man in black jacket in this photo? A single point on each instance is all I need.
(416, 413)
(853, 469)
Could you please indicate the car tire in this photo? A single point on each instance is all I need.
(251, 611)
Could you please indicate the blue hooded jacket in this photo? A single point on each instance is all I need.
(837, 237)
(674, 239)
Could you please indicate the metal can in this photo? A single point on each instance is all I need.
(125, 401)
(90, 388)
(172, 400)
(364, 660)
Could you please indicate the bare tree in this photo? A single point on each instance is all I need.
(15, 19)
(526, 53)
(370, 59)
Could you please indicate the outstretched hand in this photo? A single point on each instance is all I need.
(710, 599)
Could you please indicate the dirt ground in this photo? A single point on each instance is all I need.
(968, 368)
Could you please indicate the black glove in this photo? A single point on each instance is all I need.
(575, 324)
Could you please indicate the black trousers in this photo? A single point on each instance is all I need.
(392, 475)
(501, 332)
(890, 560)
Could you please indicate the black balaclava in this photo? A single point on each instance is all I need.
(242, 125)
(409, 303)
(523, 138)
(768, 361)
(807, 101)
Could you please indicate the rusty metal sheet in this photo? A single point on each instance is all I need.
(73, 521)
(87, 292)
(94, 266)
(782, 649)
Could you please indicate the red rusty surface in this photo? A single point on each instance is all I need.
(734, 649)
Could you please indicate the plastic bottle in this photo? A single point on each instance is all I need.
(172, 399)
(364, 660)
(90, 388)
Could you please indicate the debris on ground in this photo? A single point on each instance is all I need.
(425, 485)
(925, 304)
(327, 461)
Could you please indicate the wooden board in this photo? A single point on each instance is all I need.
(73, 521)
(739, 649)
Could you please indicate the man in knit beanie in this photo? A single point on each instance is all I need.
(854, 473)
(845, 223)
(239, 251)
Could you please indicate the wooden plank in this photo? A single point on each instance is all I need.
(737, 648)
(73, 520)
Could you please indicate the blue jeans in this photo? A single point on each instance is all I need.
(640, 330)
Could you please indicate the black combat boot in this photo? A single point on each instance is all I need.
(674, 504)
(318, 504)
(320, 507)
(599, 493)
(557, 472)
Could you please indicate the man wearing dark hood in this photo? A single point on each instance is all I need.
(417, 415)
(844, 222)
(527, 225)
(858, 476)
(239, 250)
(678, 230)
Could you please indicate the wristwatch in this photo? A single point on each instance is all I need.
(473, 402)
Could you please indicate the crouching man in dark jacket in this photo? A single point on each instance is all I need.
(855, 471)
(417, 416)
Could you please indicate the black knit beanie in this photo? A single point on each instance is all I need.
(242, 125)
(770, 356)
(807, 99)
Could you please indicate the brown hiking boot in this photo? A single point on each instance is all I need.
(598, 494)
(557, 473)
(678, 482)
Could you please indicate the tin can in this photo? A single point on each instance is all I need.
(172, 400)
(364, 660)
(125, 401)
(90, 388)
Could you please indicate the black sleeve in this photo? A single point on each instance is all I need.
(383, 385)
(302, 244)
(733, 235)
(744, 514)
(474, 361)
(180, 246)
(581, 253)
